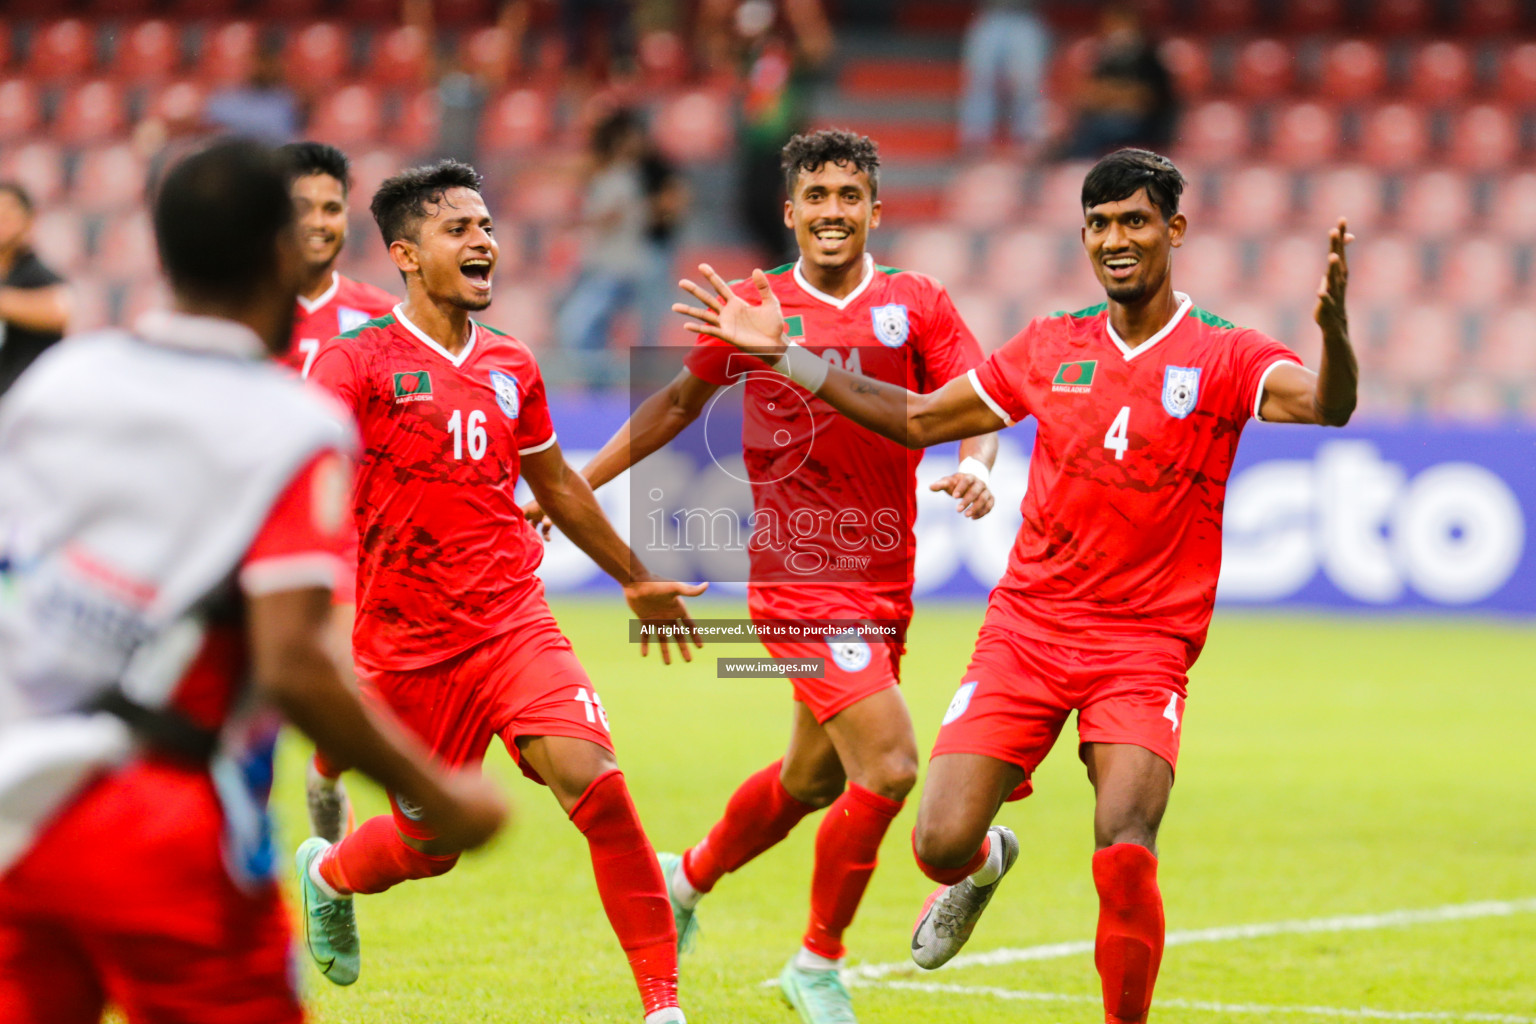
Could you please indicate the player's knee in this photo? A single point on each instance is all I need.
(814, 789)
(942, 845)
(1134, 833)
(893, 776)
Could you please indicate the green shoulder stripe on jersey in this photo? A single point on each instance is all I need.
(493, 330)
(786, 268)
(1207, 317)
(376, 322)
(1083, 313)
(889, 270)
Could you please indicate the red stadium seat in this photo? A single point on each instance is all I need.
(148, 52)
(460, 13)
(1214, 132)
(1468, 398)
(1440, 73)
(938, 250)
(987, 318)
(1304, 134)
(1384, 269)
(60, 237)
(1515, 78)
(1211, 264)
(126, 250)
(21, 109)
(1353, 70)
(1401, 17)
(316, 57)
(1487, 17)
(1256, 200)
(5, 45)
(1484, 138)
(488, 53)
(375, 12)
(118, 9)
(1070, 64)
(1313, 16)
(62, 50)
(369, 171)
(91, 112)
(515, 121)
(416, 130)
(1512, 209)
(692, 127)
(1059, 203)
(987, 195)
(38, 166)
(109, 178)
(228, 54)
(287, 10)
(1291, 267)
(350, 116)
(1023, 262)
(1264, 69)
(401, 57)
(1226, 15)
(1508, 346)
(1188, 62)
(204, 10)
(1354, 192)
(1426, 343)
(1477, 271)
(546, 195)
(663, 60)
(1396, 135)
(179, 104)
(1439, 202)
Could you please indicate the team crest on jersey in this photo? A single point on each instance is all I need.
(849, 652)
(349, 319)
(506, 393)
(891, 325)
(415, 386)
(1181, 386)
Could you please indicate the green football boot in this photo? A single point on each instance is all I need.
(330, 929)
(684, 917)
(820, 997)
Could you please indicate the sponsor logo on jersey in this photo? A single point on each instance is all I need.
(849, 652)
(349, 319)
(506, 393)
(415, 386)
(891, 325)
(1075, 378)
(1181, 386)
(794, 328)
(960, 702)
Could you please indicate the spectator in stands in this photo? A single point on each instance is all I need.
(1006, 48)
(1128, 99)
(666, 202)
(34, 303)
(263, 108)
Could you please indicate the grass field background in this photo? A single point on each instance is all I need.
(1330, 766)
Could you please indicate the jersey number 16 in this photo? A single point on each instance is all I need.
(470, 430)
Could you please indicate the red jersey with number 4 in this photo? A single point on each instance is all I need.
(346, 305)
(807, 460)
(1121, 541)
(445, 553)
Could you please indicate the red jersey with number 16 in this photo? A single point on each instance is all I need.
(1121, 541)
(344, 306)
(446, 557)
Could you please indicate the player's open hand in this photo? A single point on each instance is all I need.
(660, 603)
(757, 329)
(973, 498)
(468, 812)
(1330, 313)
(538, 520)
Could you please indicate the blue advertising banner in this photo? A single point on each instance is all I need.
(1408, 517)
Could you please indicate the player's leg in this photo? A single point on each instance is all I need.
(330, 809)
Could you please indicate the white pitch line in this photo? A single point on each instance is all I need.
(1232, 933)
(1357, 1013)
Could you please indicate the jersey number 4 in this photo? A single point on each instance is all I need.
(1118, 440)
(468, 433)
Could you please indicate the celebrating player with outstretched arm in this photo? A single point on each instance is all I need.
(452, 631)
(1110, 585)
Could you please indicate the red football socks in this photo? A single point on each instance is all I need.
(1130, 939)
(760, 814)
(327, 768)
(953, 876)
(847, 847)
(633, 892)
(374, 858)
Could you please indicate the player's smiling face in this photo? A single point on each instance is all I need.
(831, 213)
(456, 250)
(320, 203)
(1131, 246)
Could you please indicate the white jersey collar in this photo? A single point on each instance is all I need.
(1185, 305)
(210, 334)
(310, 305)
(425, 339)
(845, 301)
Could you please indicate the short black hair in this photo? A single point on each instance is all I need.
(23, 197)
(306, 158)
(218, 215)
(400, 204)
(810, 153)
(1124, 172)
(610, 131)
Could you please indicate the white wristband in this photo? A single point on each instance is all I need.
(804, 368)
(976, 468)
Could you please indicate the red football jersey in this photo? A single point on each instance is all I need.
(808, 463)
(344, 306)
(445, 553)
(1121, 540)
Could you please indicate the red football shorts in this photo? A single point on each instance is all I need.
(1018, 692)
(125, 899)
(856, 668)
(525, 682)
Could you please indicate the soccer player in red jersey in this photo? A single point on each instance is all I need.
(171, 513)
(453, 631)
(852, 748)
(1111, 582)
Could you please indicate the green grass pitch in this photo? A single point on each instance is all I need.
(1331, 767)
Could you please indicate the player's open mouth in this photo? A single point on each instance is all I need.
(1121, 267)
(478, 272)
(832, 234)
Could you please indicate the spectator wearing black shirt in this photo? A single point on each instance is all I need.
(34, 303)
(1128, 100)
(666, 201)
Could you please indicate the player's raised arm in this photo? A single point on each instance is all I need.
(915, 420)
(1294, 394)
(566, 497)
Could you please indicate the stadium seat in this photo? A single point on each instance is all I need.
(204, 10)
(1059, 200)
(1353, 70)
(546, 194)
(91, 112)
(39, 167)
(1255, 200)
(1401, 17)
(1216, 132)
(463, 13)
(179, 105)
(148, 52)
(1424, 343)
(1291, 268)
(1071, 61)
(109, 178)
(1313, 16)
(1439, 202)
(1354, 192)
(62, 50)
(369, 170)
(5, 45)
(287, 10)
(1477, 271)
(316, 57)
(228, 54)
(1497, 18)
(988, 317)
(1469, 398)
(21, 109)
(1384, 269)
(1440, 73)
(1264, 317)
(59, 235)
(126, 249)
(938, 250)
(1187, 60)
(1303, 134)
(1484, 138)
(401, 57)
(1515, 77)
(1263, 69)
(1508, 344)
(519, 120)
(416, 128)
(986, 195)
(110, 10)
(1217, 16)
(350, 116)
(1211, 264)
(1023, 261)
(1512, 207)
(1395, 136)
(691, 127)
(663, 60)
(369, 12)
(487, 53)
